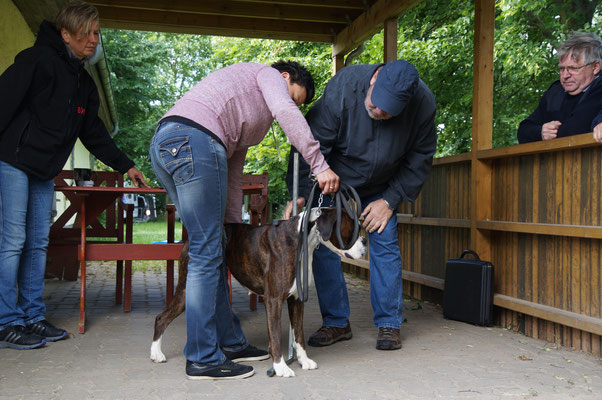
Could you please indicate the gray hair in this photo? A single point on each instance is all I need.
(77, 15)
(586, 43)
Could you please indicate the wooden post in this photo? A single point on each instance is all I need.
(338, 62)
(390, 40)
(482, 126)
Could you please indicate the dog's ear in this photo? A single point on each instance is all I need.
(326, 223)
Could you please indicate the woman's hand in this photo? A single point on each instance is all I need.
(328, 181)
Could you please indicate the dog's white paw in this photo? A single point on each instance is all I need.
(156, 355)
(303, 359)
(283, 370)
(308, 363)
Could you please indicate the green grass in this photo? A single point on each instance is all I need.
(156, 231)
(149, 232)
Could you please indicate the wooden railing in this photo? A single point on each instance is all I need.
(545, 235)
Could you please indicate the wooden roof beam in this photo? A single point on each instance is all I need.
(369, 23)
(214, 25)
(349, 4)
(237, 8)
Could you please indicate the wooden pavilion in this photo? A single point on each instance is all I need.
(533, 210)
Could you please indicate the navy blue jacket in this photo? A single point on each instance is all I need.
(389, 157)
(575, 112)
(47, 101)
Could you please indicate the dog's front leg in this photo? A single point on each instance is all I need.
(295, 313)
(273, 310)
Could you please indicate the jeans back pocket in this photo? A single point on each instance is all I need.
(176, 156)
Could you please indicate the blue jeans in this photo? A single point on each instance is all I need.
(193, 169)
(385, 279)
(25, 207)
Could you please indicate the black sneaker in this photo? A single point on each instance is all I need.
(327, 335)
(47, 330)
(249, 353)
(227, 370)
(19, 338)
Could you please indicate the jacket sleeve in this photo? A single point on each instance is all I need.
(14, 85)
(97, 140)
(416, 165)
(597, 120)
(529, 130)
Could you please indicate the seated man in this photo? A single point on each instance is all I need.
(570, 105)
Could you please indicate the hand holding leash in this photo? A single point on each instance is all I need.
(328, 181)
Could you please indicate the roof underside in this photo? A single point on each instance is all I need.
(344, 23)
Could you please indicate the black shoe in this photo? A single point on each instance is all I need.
(327, 335)
(47, 330)
(227, 370)
(19, 338)
(388, 339)
(249, 353)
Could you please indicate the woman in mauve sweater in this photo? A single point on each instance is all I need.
(198, 153)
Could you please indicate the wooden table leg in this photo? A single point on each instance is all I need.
(127, 287)
(127, 283)
(82, 257)
(118, 281)
(171, 211)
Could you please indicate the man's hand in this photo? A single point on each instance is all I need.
(136, 177)
(598, 133)
(549, 130)
(288, 210)
(328, 181)
(376, 216)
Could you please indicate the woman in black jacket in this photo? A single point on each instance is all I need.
(47, 102)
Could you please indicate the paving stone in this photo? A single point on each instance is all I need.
(440, 359)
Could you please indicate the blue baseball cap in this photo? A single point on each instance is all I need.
(394, 86)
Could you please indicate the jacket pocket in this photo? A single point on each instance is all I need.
(176, 156)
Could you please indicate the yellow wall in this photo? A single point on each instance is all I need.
(15, 34)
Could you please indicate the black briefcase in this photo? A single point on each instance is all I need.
(468, 290)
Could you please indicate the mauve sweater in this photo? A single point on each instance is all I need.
(239, 104)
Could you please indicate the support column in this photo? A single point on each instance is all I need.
(482, 126)
(338, 62)
(390, 40)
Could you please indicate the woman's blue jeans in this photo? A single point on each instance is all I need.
(385, 279)
(25, 207)
(192, 167)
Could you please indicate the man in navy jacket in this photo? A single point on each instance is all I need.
(375, 125)
(571, 104)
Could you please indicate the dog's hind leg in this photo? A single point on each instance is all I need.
(295, 312)
(175, 308)
(171, 312)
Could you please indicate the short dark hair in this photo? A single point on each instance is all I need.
(299, 75)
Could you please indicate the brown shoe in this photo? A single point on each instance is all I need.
(388, 339)
(327, 335)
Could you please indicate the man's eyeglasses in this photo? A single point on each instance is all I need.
(573, 69)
